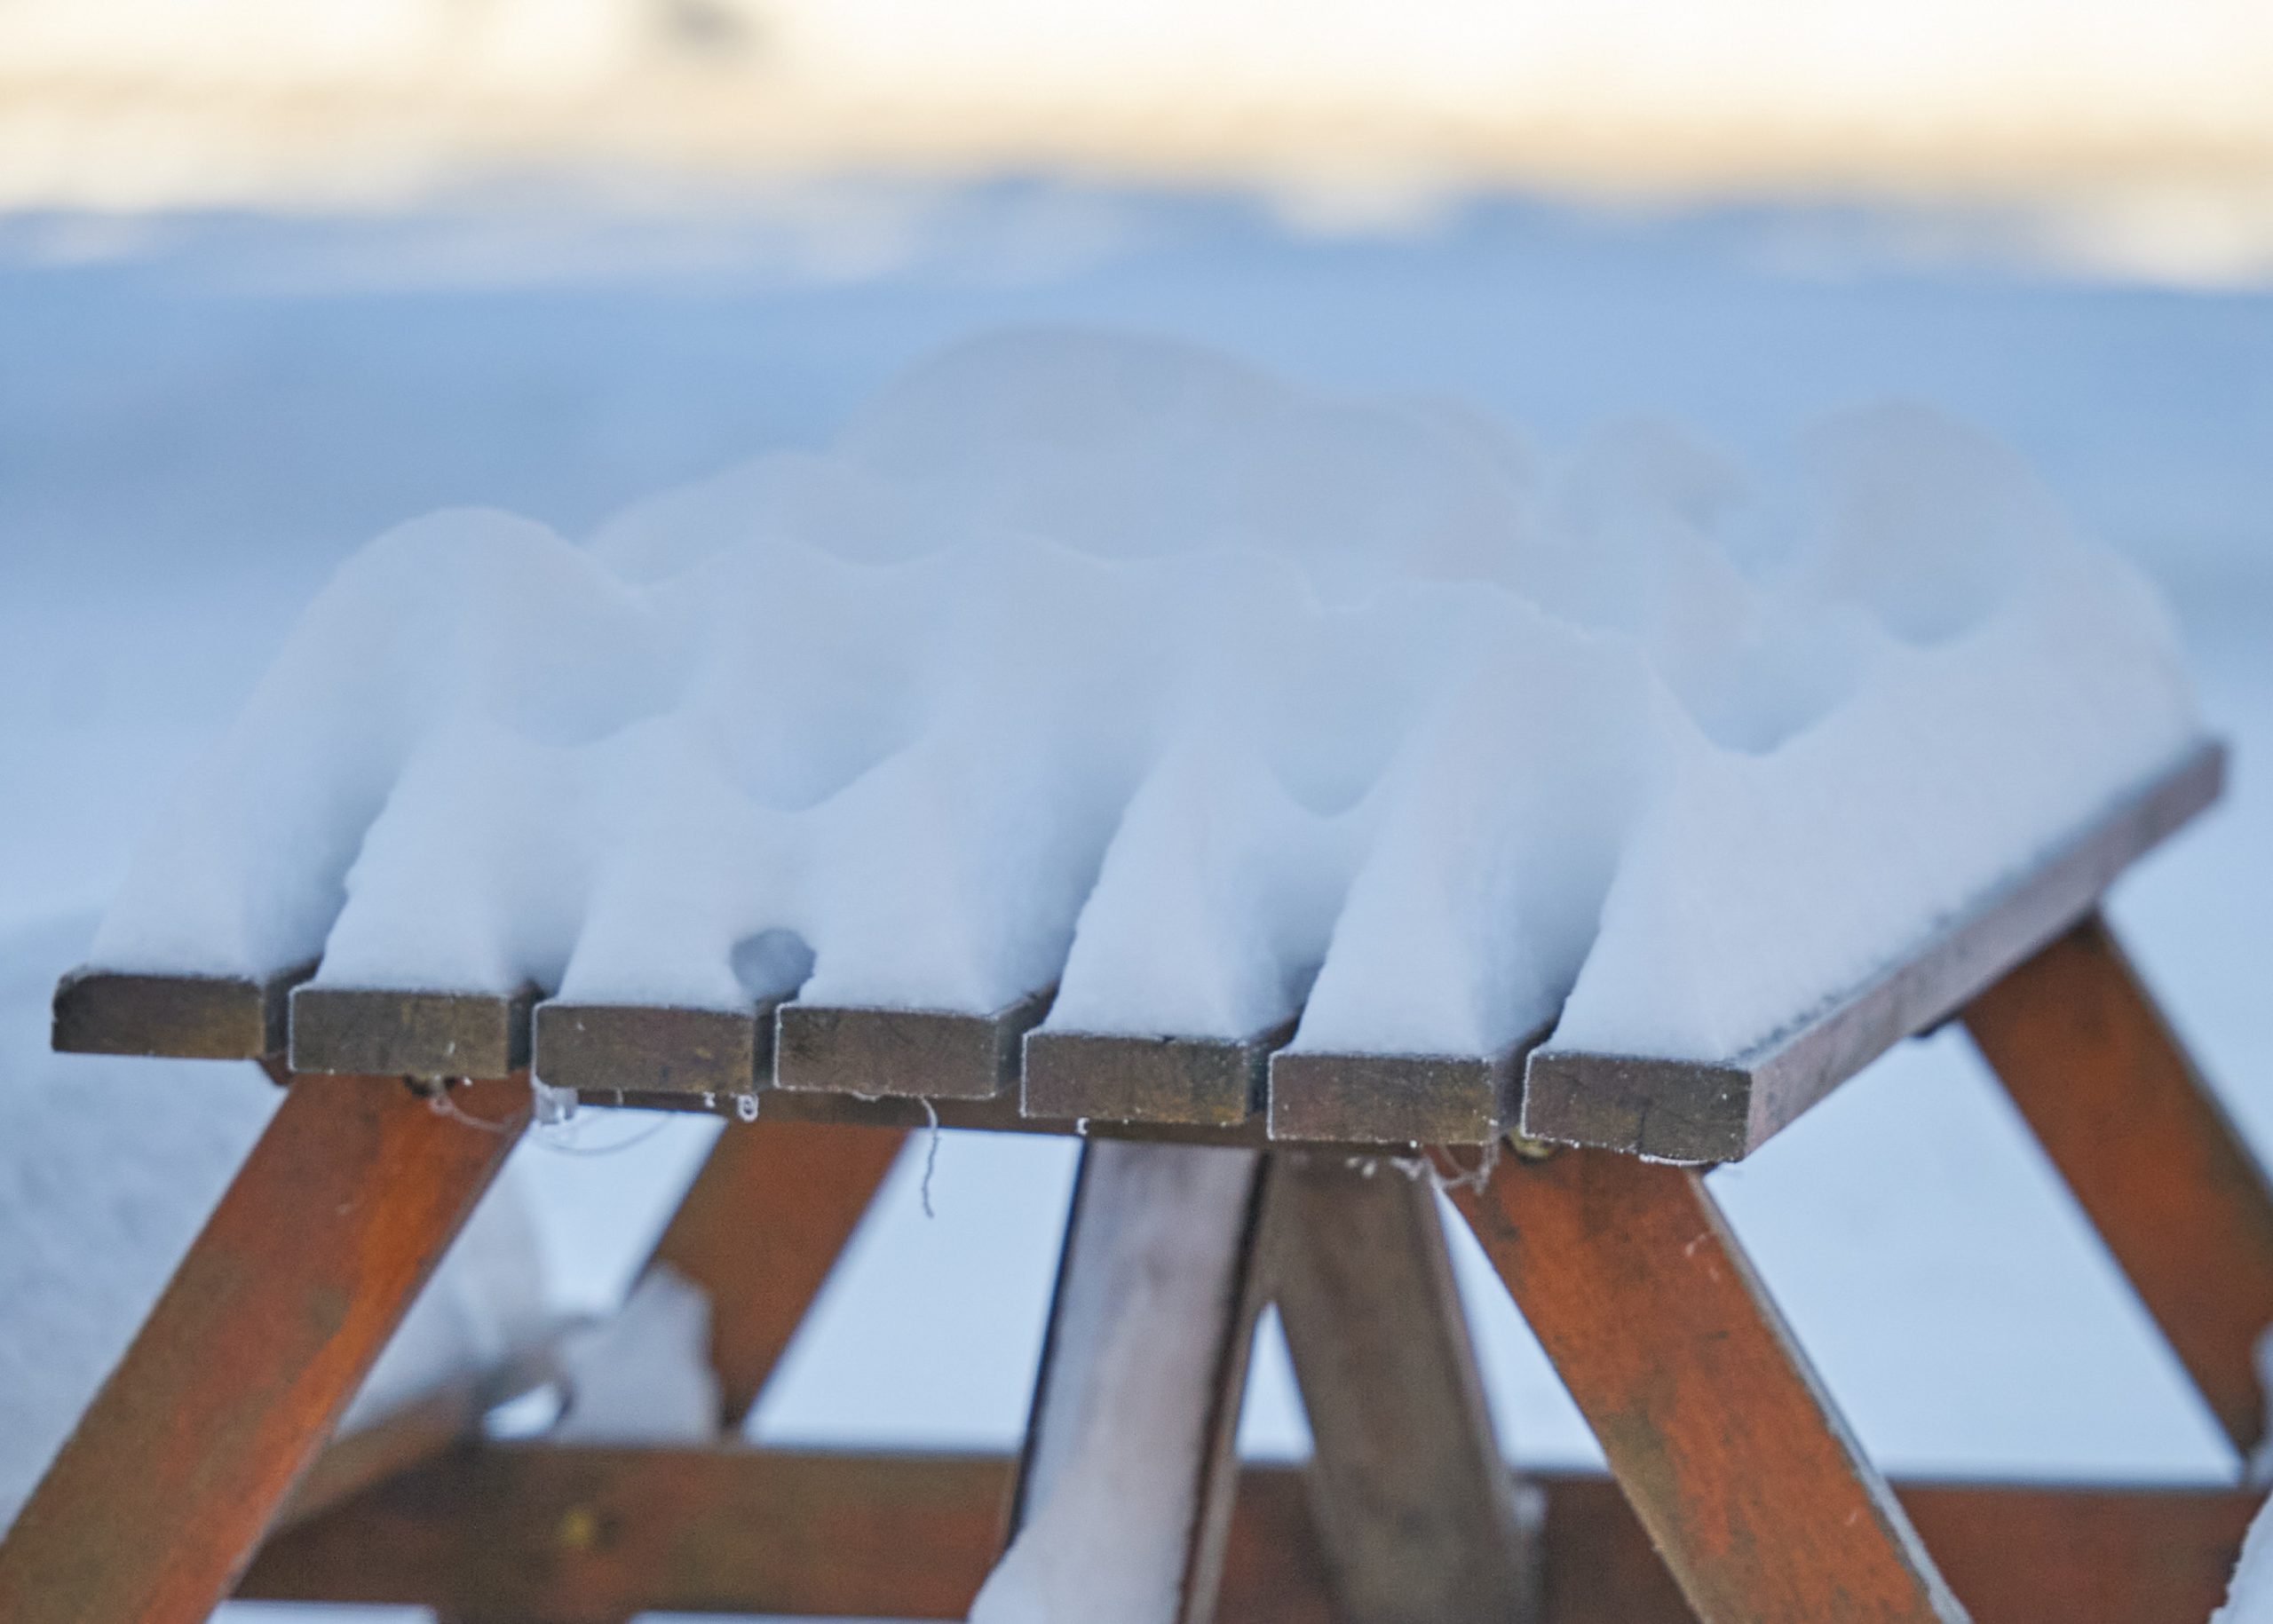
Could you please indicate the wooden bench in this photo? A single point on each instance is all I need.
(1729, 1461)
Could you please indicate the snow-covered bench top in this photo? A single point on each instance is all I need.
(1111, 689)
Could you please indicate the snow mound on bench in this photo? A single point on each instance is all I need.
(1116, 664)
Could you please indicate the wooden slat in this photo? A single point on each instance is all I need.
(580, 1535)
(1163, 1231)
(1409, 1099)
(306, 1266)
(604, 1048)
(1073, 1076)
(1706, 1111)
(2151, 1154)
(907, 1053)
(364, 1031)
(1711, 1419)
(1416, 1508)
(760, 1229)
(191, 1018)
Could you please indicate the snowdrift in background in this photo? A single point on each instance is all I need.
(1113, 664)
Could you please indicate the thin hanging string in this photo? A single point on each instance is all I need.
(442, 1104)
(930, 1157)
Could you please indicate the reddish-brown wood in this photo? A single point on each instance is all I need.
(2018, 1554)
(761, 1228)
(587, 1536)
(315, 1251)
(1715, 1427)
(593, 1536)
(2151, 1154)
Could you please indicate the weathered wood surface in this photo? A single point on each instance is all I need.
(1073, 1076)
(762, 1226)
(306, 1266)
(1698, 1112)
(1730, 1452)
(1403, 1099)
(599, 1048)
(907, 1053)
(2149, 1151)
(1416, 1510)
(577, 1535)
(190, 1018)
(1155, 1229)
(366, 1032)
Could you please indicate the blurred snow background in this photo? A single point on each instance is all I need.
(274, 276)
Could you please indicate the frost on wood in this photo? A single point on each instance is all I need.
(1117, 666)
(1121, 1430)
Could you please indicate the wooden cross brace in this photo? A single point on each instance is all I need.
(204, 1449)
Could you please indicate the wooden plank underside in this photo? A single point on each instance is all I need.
(1708, 1413)
(1708, 1112)
(189, 1017)
(577, 1535)
(1162, 1248)
(1416, 1509)
(910, 1054)
(368, 1032)
(2150, 1153)
(1086, 1076)
(336, 1219)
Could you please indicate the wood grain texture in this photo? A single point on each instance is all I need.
(1395, 1099)
(612, 1048)
(1147, 1219)
(339, 1214)
(580, 1535)
(2151, 1154)
(760, 1227)
(1415, 1508)
(1106, 1077)
(1701, 1112)
(190, 1018)
(1712, 1422)
(367, 1032)
(912, 1054)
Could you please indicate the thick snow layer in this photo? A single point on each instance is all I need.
(1122, 1421)
(107, 1168)
(1116, 664)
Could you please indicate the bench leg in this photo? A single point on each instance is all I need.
(759, 1230)
(315, 1252)
(1728, 1449)
(1122, 1502)
(1416, 1510)
(2149, 1151)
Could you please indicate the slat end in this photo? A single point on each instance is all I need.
(389, 1032)
(1415, 1100)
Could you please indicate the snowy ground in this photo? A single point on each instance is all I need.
(198, 421)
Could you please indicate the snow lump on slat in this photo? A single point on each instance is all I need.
(1214, 701)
